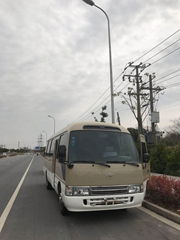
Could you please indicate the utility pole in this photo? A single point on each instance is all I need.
(137, 80)
(40, 141)
(152, 90)
(139, 118)
(18, 144)
(153, 128)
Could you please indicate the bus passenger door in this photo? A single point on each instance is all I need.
(61, 166)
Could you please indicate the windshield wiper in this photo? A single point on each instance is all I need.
(71, 164)
(102, 164)
(93, 162)
(124, 162)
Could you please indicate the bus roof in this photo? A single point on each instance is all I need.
(91, 126)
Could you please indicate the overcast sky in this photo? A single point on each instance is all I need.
(54, 60)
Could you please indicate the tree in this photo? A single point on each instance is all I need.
(173, 134)
(175, 128)
(159, 158)
(134, 133)
(173, 163)
(103, 114)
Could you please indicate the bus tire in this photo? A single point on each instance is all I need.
(48, 185)
(62, 207)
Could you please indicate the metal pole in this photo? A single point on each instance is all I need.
(110, 65)
(54, 125)
(153, 129)
(138, 102)
(54, 122)
(91, 3)
(139, 118)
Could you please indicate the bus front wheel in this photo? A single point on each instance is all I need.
(63, 209)
(48, 185)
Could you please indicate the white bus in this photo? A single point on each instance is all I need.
(95, 166)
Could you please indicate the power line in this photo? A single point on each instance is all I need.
(161, 50)
(91, 107)
(98, 107)
(166, 75)
(169, 78)
(165, 56)
(157, 45)
(173, 85)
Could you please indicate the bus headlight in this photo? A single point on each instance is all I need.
(76, 191)
(69, 191)
(81, 191)
(135, 188)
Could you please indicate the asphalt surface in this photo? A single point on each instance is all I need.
(35, 214)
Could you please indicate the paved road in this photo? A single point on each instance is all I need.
(35, 214)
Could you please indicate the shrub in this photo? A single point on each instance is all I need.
(165, 159)
(159, 158)
(164, 191)
(173, 163)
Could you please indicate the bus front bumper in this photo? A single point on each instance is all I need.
(107, 202)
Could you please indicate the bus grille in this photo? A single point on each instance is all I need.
(112, 190)
(109, 201)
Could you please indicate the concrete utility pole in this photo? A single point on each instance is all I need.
(152, 90)
(40, 141)
(139, 118)
(153, 128)
(137, 79)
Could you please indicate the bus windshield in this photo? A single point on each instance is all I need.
(102, 147)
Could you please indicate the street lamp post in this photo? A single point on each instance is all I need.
(53, 120)
(91, 3)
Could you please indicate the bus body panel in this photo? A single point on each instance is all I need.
(97, 175)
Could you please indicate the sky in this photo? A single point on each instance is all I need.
(54, 61)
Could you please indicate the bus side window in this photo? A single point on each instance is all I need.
(64, 140)
(57, 142)
(46, 150)
(52, 146)
(48, 147)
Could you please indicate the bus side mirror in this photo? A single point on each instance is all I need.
(146, 157)
(62, 153)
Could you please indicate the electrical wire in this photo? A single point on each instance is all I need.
(91, 107)
(169, 78)
(173, 85)
(156, 80)
(157, 45)
(165, 56)
(161, 50)
(99, 106)
(100, 97)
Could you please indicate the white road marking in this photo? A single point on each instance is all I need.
(160, 218)
(13, 198)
